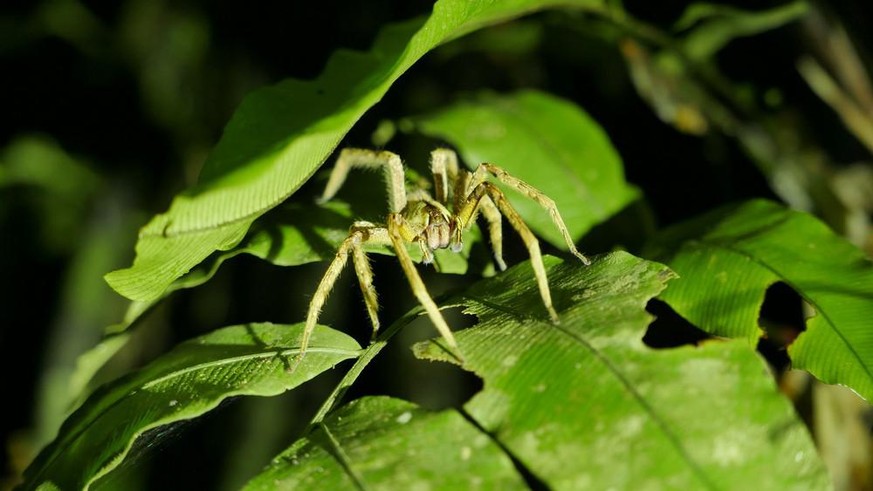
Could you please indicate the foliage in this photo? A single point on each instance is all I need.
(613, 396)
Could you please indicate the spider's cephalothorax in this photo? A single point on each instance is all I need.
(433, 222)
(430, 225)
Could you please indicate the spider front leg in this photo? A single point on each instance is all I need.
(448, 176)
(350, 158)
(468, 211)
(399, 236)
(479, 176)
(360, 233)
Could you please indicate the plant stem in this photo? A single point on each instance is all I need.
(366, 357)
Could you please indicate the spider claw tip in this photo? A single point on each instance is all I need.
(585, 260)
(554, 317)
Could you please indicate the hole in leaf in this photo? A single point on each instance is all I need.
(669, 329)
(781, 318)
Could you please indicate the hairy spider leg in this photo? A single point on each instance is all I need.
(350, 158)
(466, 214)
(366, 232)
(481, 173)
(364, 272)
(360, 233)
(445, 169)
(470, 194)
(400, 234)
(495, 229)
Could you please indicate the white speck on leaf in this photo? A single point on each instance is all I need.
(727, 451)
(404, 418)
(466, 452)
(173, 402)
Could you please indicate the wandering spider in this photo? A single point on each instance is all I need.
(433, 222)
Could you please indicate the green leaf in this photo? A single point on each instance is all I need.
(586, 405)
(385, 443)
(547, 142)
(279, 239)
(190, 380)
(715, 25)
(65, 186)
(728, 258)
(297, 234)
(281, 134)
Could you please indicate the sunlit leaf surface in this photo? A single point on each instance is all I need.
(586, 405)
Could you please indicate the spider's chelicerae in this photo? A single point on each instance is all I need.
(433, 222)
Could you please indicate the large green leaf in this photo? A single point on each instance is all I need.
(544, 140)
(384, 443)
(728, 258)
(281, 134)
(193, 378)
(291, 235)
(586, 405)
(547, 142)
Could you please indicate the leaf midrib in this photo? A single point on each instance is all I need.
(662, 424)
(242, 358)
(93, 420)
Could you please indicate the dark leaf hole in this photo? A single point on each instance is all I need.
(781, 315)
(781, 319)
(669, 329)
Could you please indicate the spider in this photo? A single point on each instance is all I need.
(432, 222)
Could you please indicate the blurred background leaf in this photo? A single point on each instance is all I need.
(576, 165)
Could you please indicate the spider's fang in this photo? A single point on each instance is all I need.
(437, 236)
(426, 256)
